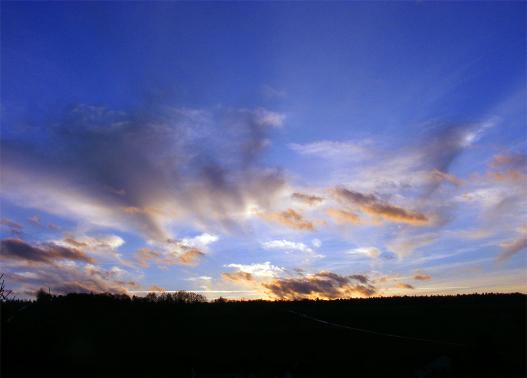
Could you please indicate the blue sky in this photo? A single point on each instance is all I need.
(274, 150)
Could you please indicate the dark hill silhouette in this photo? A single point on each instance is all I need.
(181, 335)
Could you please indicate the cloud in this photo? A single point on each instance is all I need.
(290, 246)
(104, 243)
(266, 117)
(53, 226)
(237, 276)
(170, 165)
(404, 286)
(508, 168)
(44, 253)
(291, 219)
(14, 228)
(156, 288)
(200, 278)
(514, 161)
(190, 256)
(273, 93)
(324, 285)
(259, 270)
(307, 198)
(373, 206)
(64, 278)
(200, 241)
(343, 216)
(403, 245)
(174, 255)
(422, 276)
(286, 245)
(443, 176)
(145, 255)
(510, 248)
(332, 149)
(360, 277)
(371, 252)
(187, 251)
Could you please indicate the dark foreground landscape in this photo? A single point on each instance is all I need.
(103, 335)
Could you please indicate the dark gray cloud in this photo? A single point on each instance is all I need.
(45, 253)
(360, 277)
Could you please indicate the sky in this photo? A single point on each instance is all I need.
(276, 150)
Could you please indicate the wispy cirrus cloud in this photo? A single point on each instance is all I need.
(404, 244)
(371, 252)
(154, 162)
(334, 150)
(512, 247)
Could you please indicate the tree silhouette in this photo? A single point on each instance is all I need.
(4, 293)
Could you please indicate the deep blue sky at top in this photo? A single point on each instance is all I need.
(373, 65)
(386, 79)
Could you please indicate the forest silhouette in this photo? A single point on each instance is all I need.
(183, 335)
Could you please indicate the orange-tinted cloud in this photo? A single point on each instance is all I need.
(190, 256)
(511, 175)
(182, 255)
(373, 206)
(156, 288)
(291, 219)
(237, 276)
(343, 216)
(324, 285)
(509, 160)
(508, 168)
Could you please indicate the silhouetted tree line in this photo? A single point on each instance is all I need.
(97, 335)
(189, 297)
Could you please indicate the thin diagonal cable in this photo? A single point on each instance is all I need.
(374, 332)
